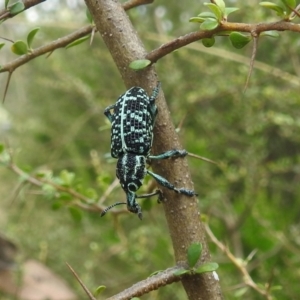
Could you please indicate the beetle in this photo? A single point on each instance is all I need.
(132, 122)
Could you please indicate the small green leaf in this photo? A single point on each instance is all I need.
(2, 45)
(239, 40)
(65, 197)
(99, 290)
(49, 191)
(57, 205)
(240, 292)
(229, 10)
(19, 48)
(194, 253)
(75, 213)
(139, 64)
(273, 6)
(209, 24)
(181, 272)
(207, 267)
(91, 193)
(276, 288)
(77, 42)
(89, 16)
(6, 4)
(221, 4)
(289, 3)
(270, 33)
(207, 14)
(31, 36)
(66, 177)
(16, 8)
(197, 20)
(216, 10)
(1, 148)
(208, 42)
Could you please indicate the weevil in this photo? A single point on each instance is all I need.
(132, 122)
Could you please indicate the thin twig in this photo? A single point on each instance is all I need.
(189, 38)
(5, 13)
(237, 262)
(134, 3)
(203, 158)
(252, 60)
(90, 295)
(149, 284)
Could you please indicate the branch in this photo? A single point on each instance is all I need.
(241, 266)
(81, 201)
(134, 3)
(5, 13)
(59, 43)
(150, 284)
(182, 41)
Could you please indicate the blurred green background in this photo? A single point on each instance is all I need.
(53, 120)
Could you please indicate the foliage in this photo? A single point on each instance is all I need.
(252, 198)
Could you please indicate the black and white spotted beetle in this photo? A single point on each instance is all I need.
(131, 141)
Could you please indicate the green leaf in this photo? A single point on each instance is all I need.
(49, 191)
(270, 33)
(208, 42)
(66, 177)
(221, 4)
(209, 24)
(229, 10)
(65, 197)
(19, 48)
(207, 267)
(139, 64)
(91, 193)
(2, 45)
(6, 4)
(240, 292)
(239, 40)
(99, 290)
(31, 36)
(197, 20)
(77, 42)
(57, 205)
(89, 16)
(276, 288)
(194, 253)
(289, 3)
(181, 272)
(216, 10)
(1, 148)
(16, 8)
(207, 14)
(273, 6)
(76, 214)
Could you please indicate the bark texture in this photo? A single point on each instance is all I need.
(182, 213)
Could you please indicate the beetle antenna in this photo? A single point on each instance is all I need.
(109, 207)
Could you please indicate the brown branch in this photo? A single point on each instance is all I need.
(59, 43)
(134, 3)
(5, 13)
(81, 201)
(150, 284)
(90, 295)
(189, 38)
(241, 265)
